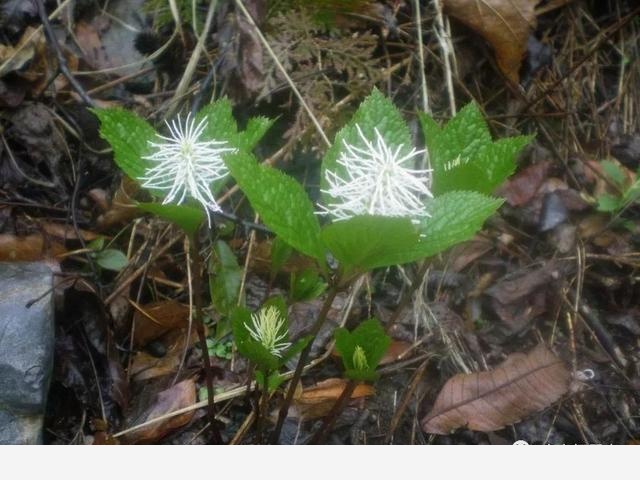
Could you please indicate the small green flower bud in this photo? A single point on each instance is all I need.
(360, 359)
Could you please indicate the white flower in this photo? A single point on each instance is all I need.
(185, 165)
(377, 182)
(269, 328)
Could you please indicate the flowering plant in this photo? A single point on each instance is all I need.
(186, 166)
(383, 202)
(386, 210)
(263, 338)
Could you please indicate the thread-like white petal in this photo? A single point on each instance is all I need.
(377, 180)
(186, 166)
(269, 328)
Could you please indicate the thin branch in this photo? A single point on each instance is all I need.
(62, 61)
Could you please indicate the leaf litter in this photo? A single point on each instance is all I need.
(552, 267)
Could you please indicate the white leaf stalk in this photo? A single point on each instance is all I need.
(269, 328)
(377, 180)
(185, 165)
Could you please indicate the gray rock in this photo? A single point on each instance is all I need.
(26, 350)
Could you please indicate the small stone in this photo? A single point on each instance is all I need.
(26, 349)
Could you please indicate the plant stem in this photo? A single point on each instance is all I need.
(284, 409)
(321, 435)
(262, 407)
(196, 268)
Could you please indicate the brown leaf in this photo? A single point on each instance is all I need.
(122, 208)
(181, 395)
(155, 319)
(486, 401)
(28, 249)
(504, 24)
(317, 401)
(242, 58)
(522, 187)
(466, 253)
(398, 350)
(66, 232)
(146, 366)
(519, 297)
(260, 261)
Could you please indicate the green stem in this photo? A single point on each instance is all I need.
(196, 268)
(304, 355)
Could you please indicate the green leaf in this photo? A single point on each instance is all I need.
(247, 346)
(129, 137)
(280, 252)
(455, 218)
(96, 244)
(111, 259)
(463, 156)
(273, 381)
(221, 126)
(371, 337)
(375, 112)
(609, 203)
(280, 303)
(281, 202)
(306, 285)
(187, 218)
(366, 242)
(256, 128)
(295, 349)
(614, 172)
(225, 277)
(462, 136)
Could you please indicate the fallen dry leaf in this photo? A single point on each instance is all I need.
(123, 207)
(181, 395)
(28, 249)
(66, 232)
(519, 297)
(523, 186)
(16, 58)
(146, 366)
(504, 24)
(466, 253)
(317, 401)
(155, 319)
(487, 401)
(398, 350)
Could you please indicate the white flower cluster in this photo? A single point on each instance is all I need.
(185, 165)
(377, 181)
(376, 178)
(270, 329)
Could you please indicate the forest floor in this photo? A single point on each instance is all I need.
(556, 266)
